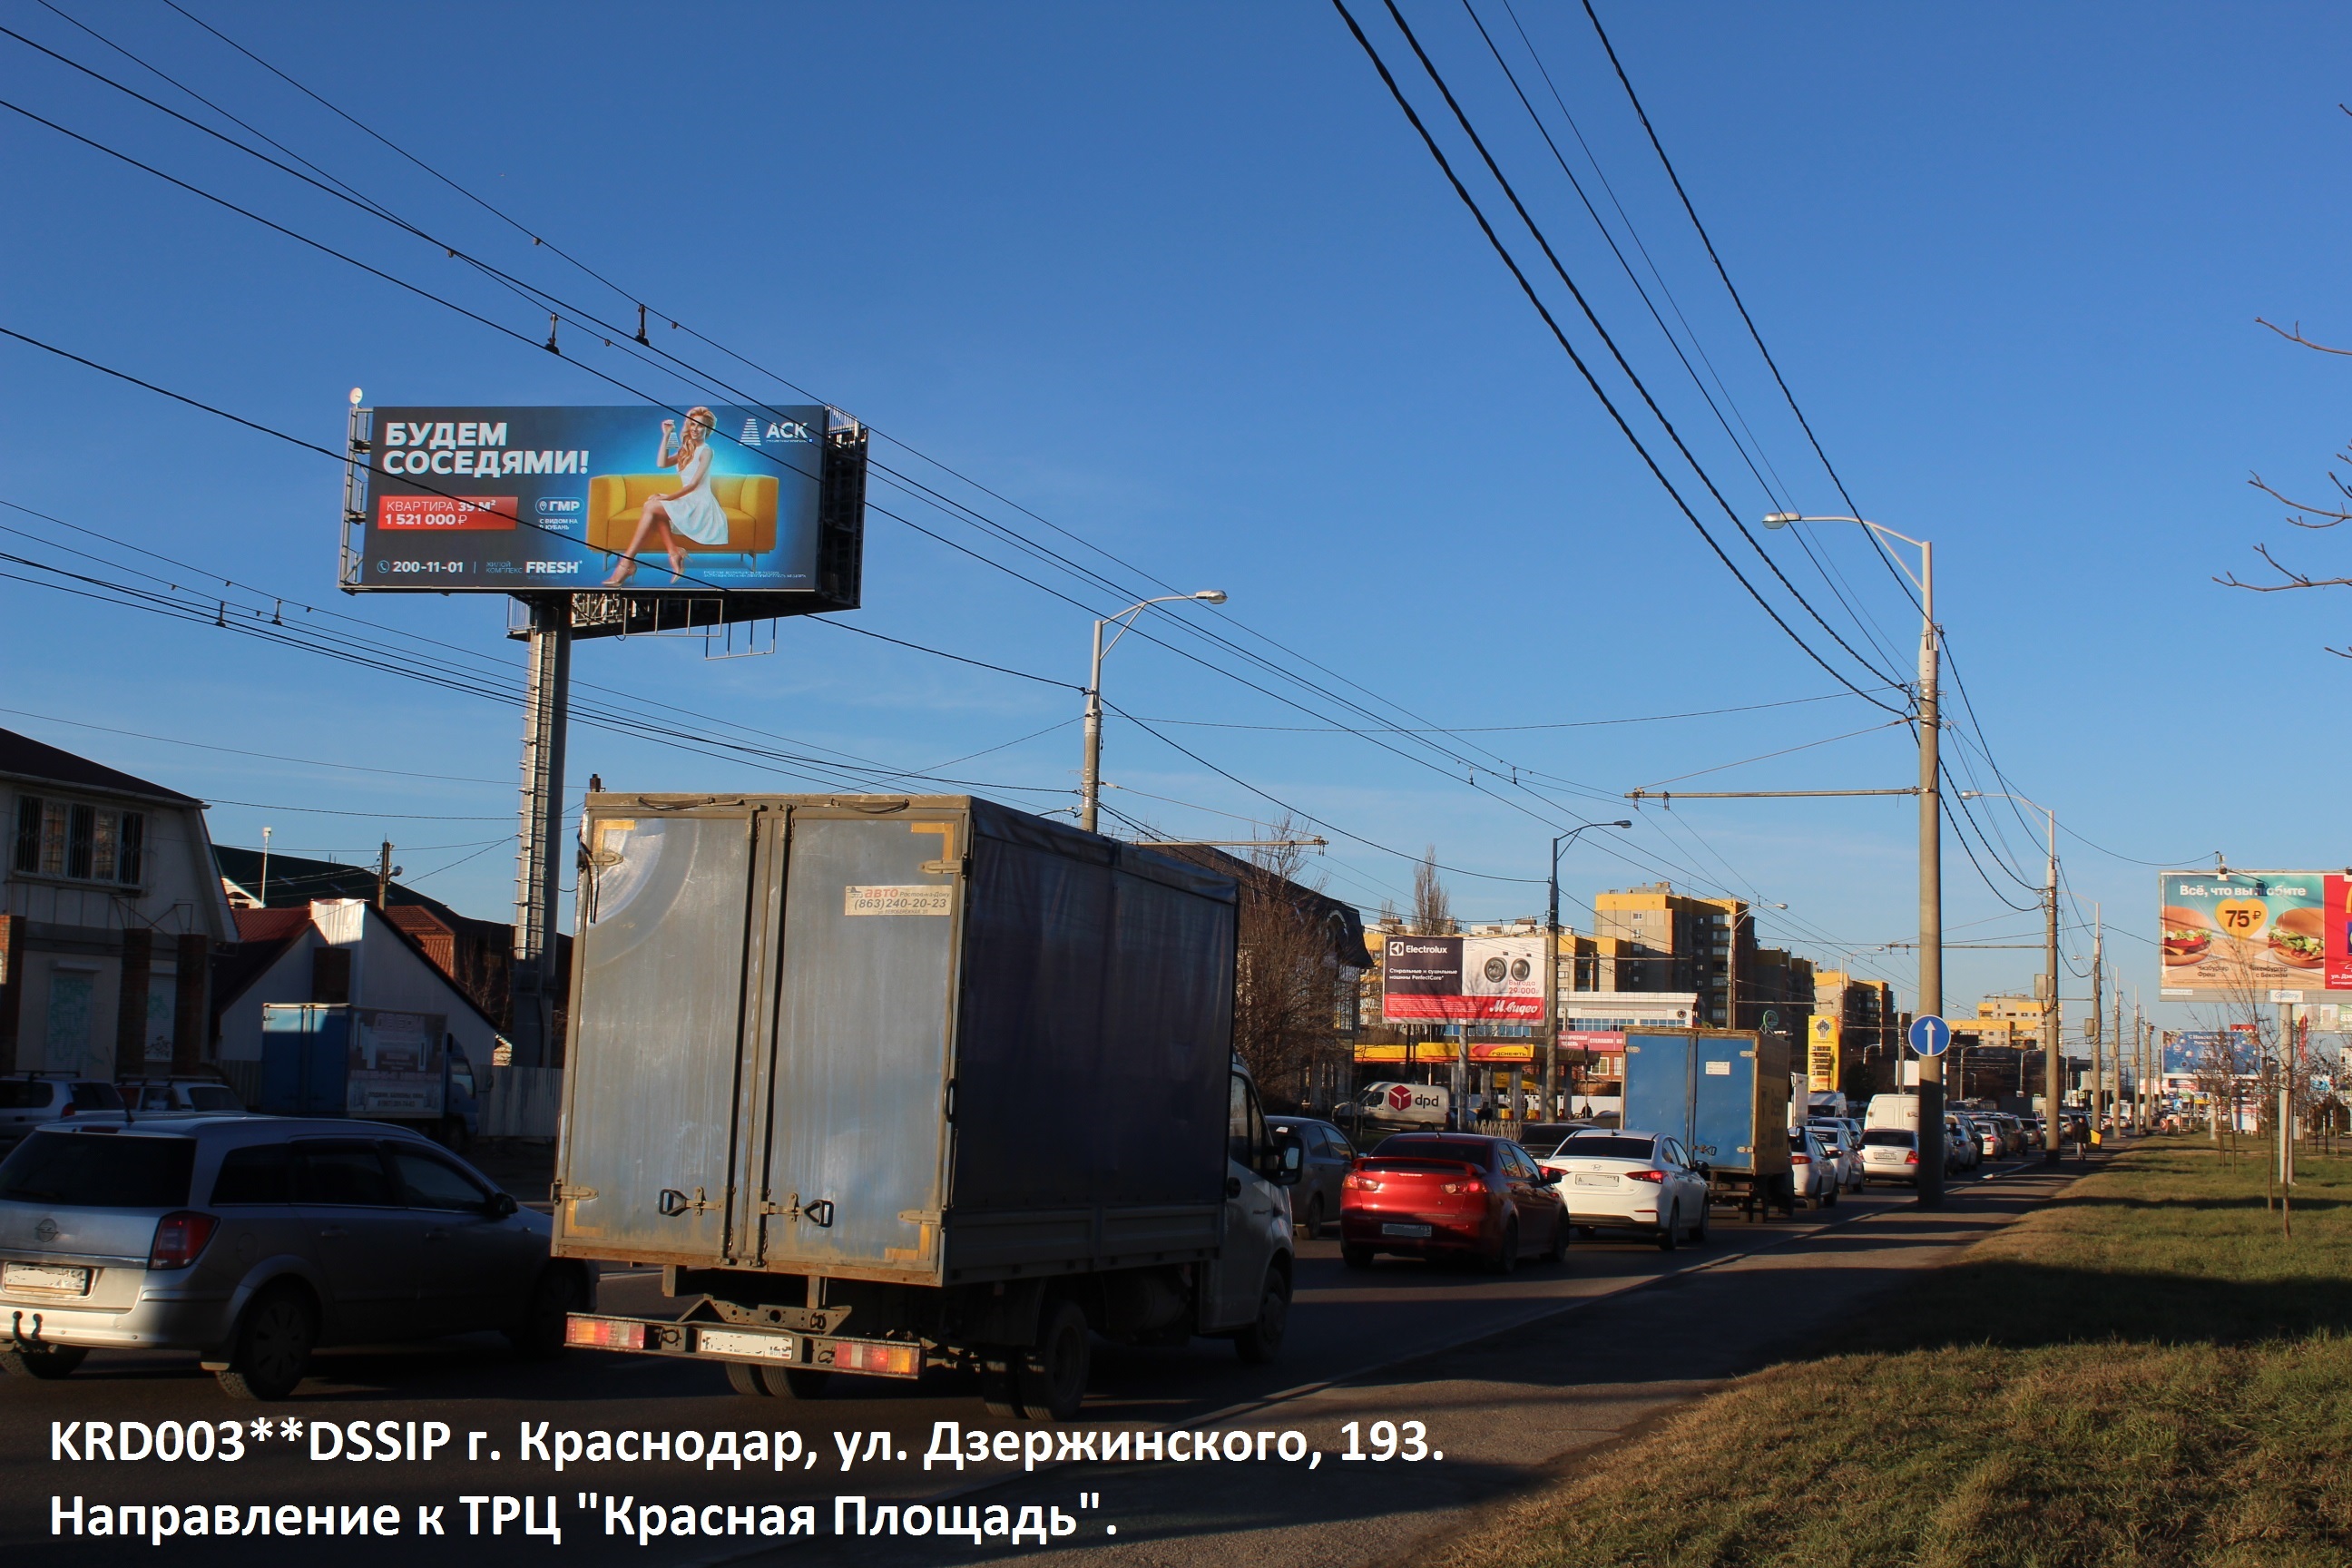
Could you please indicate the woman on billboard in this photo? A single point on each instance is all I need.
(690, 511)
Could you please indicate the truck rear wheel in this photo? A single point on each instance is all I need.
(777, 1381)
(1262, 1341)
(1053, 1377)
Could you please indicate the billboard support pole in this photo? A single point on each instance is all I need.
(538, 869)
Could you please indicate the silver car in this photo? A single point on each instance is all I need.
(252, 1240)
(35, 1099)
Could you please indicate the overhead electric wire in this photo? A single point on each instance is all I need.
(1535, 230)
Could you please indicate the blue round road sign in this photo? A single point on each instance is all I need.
(1930, 1035)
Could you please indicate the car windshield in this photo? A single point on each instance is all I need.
(1407, 1147)
(99, 1171)
(1888, 1138)
(20, 1094)
(1606, 1146)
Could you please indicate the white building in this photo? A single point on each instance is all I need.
(335, 950)
(109, 913)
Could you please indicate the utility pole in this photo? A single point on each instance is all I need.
(1551, 988)
(1091, 782)
(538, 869)
(264, 894)
(1931, 891)
(383, 875)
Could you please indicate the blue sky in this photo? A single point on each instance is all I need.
(1180, 280)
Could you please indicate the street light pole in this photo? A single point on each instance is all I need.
(1552, 965)
(1090, 781)
(2052, 1041)
(1931, 852)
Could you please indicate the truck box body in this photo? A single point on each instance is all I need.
(319, 1060)
(1722, 1092)
(927, 1040)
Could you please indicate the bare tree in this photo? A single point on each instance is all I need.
(1287, 998)
(1433, 908)
(2334, 509)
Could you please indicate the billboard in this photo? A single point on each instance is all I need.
(2245, 934)
(1461, 979)
(2189, 1053)
(1821, 1054)
(707, 502)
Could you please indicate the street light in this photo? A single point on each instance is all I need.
(1931, 843)
(2051, 1068)
(1091, 788)
(1551, 963)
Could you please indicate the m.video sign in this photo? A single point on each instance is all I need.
(706, 501)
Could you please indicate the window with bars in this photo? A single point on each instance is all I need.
(80, 842)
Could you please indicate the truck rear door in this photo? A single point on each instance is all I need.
(848, 1169)
(650, 1096)
(1723, 1115)
(1657, 1085)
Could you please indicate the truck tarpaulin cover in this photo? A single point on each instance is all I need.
(1461, 979)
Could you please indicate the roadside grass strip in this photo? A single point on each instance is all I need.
(2142, 1371)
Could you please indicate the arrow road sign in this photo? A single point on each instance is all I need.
(1930, 1035)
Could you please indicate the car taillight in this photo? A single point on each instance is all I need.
(1912, 1158)
(1473, 1185)
(1352, 1182)
(1800, 1159)
(179, 1238)
(1658, 1176)
(68, 1110)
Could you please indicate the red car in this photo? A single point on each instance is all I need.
(1451, 1194)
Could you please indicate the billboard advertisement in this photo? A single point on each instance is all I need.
(709, 500)
(2243, 933)
(2189, 1053)
(1461, 979)
(1821, 1054)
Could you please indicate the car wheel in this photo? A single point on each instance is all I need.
(44, 1362)
(1505, 1259)
(1355, 1257)
(538, 1335)
(1829, 1201)
(1670, 1231)
(273, 1345)
(1054, 1372)
(1313, 1229)
(1262, 1341)
(1698, 1227)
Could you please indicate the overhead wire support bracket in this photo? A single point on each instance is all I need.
(1668, 796)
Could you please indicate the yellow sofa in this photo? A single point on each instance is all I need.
(615, 501)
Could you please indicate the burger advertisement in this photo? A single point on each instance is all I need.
(2255, 931)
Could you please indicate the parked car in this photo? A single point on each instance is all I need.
(33, 1100)
(1327, 1158)
(1962, 1152)
(180, 1097)
(252, 1240)
(1845, 1151)
(1992, 1143)
(1459, 1195)
(1890, 1155)
(1632, 1181)
(1813, 1171)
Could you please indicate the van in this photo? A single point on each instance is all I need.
(1394, 1105)
(1893, 1111)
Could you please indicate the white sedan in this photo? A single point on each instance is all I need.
(1631, 1181)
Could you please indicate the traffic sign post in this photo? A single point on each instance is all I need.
(1930, 1036)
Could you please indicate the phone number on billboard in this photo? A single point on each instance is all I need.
(399, 568)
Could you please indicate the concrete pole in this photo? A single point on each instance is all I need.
(1551, 988)
(1931, 892)
(538, 868)
(1090, 784)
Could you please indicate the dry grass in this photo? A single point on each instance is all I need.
(2139, 1372)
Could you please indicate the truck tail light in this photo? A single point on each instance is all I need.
(889, 1359)
(604, 1333)
(1657, 1176)
(179, 1238)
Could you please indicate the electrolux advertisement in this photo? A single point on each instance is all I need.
(2244, 934)
(637, 499)
(1461, 979)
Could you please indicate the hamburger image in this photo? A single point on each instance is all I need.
(2296, 939)
(2187, 935)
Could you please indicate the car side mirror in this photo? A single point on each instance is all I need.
(501, 1205)
(1284, 1162)
(1701, 1168)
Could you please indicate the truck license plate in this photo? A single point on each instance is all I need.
(1405, 1230)
(45, 1277)
(767, 1347)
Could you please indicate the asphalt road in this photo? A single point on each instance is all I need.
(1388, 1344)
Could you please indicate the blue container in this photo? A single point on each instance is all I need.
(305, 1050)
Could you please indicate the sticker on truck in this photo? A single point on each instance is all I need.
(915, 898)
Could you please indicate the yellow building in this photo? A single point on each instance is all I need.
(2009, 1020)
